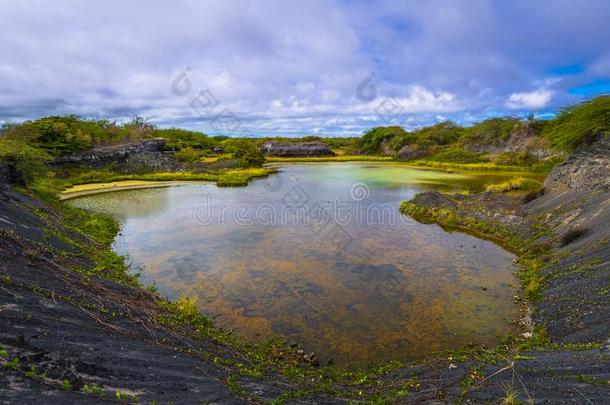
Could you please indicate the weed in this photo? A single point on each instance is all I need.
(514, 184)
(66, 385)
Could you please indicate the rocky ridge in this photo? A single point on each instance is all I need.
(296, 149)
(113, 154)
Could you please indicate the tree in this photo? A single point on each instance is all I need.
(247, 154)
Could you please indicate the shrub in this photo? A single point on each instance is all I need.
(514, 158)
(490, 132)
(246, 153)
(458, 155)
(179, 138)
(371, 140)
(442, 133)
(578, 123)
(26, 160)
(187, 154)
(61, 135)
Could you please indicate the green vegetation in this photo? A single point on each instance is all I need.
(484, 167)
(491, 131)
(579, 123)
(187, 154)
(26, 160)
(27, 147)
(515, 184)
(371, 141)
(222, 178)
(69, 134)
(458, 155)
(246, 153)
(494, 143)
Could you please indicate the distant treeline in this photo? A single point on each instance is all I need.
(445, 141)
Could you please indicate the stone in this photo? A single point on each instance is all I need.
(410, 152)
(296, 149)
(433, 199)
(585, 170)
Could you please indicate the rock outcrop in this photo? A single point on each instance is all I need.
(296, 149)
(434, 199)
(112, 154)
(410, 152)
(521, 139)
(587, 169)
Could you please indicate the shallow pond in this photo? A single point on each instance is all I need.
(319, 254)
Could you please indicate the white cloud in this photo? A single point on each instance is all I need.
(288, 68)
(533, 100)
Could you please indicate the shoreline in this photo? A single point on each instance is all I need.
(99, 187)
(86, 189)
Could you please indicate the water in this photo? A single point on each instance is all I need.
(319, 254)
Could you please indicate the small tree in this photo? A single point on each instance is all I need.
(187, 154)
(247, 154)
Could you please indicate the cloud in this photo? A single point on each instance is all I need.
(282, 69)
(534, 100)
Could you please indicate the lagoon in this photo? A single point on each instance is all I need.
(319, 254)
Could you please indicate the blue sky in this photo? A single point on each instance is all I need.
(282, 68)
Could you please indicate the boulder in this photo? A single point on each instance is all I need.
(410, 152)
(385, 148)
(433, 199)
(296, 149)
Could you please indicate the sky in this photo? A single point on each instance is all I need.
(284, 68)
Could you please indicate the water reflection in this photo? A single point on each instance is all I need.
(391, 291)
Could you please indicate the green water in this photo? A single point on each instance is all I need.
(319, 254)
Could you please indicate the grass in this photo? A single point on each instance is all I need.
(54, 184)
(487, 166)
(576, 124)
(519, 183)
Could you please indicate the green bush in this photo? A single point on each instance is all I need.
(28, 161)
(187, 154)
(578, 123)
(246, 153)
(179, 138)
(490, 132)
(458, 155)
(442, 133)
(70, 134)
(371, 140)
